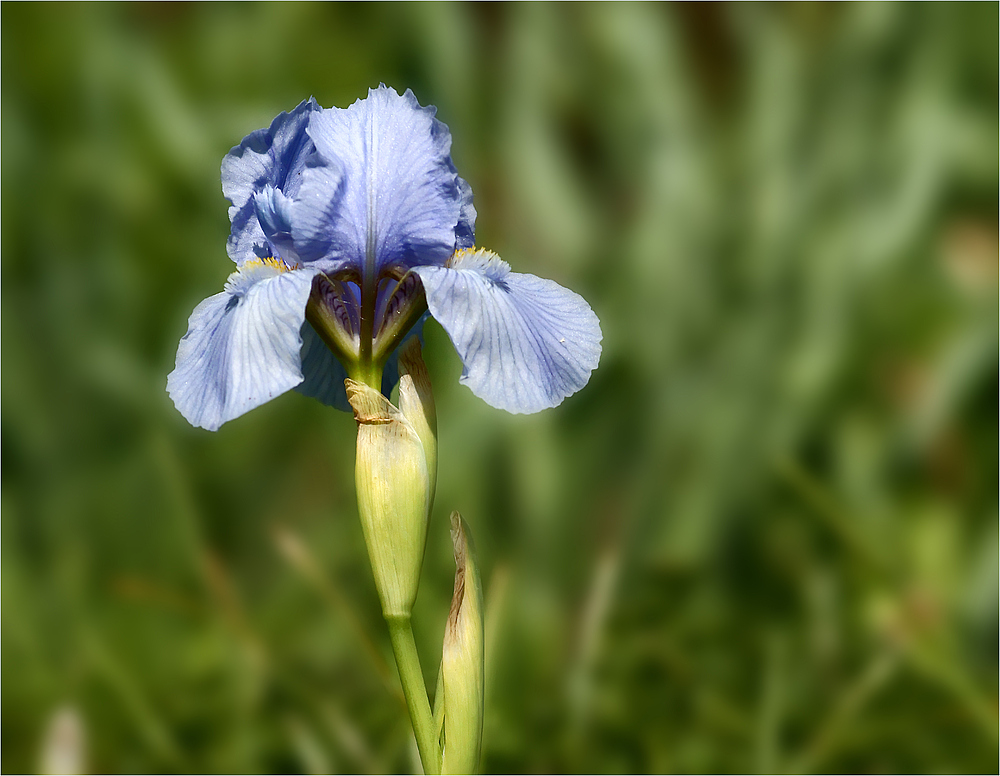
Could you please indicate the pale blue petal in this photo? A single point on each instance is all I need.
(273, 210)
(525, 343)
(323, 374)
(315, 213)
(242, 347)
(298, 230)
(276, 156)
(402, 201)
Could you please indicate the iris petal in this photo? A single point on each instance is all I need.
(525, 343)
(403, 202)
(242, 347)
(297, 230)
(274, 213)
(314, 215)
(323, 374)
(276, 156)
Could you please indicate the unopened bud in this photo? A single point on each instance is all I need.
(462, 660)
(393, 492)
(416, 402)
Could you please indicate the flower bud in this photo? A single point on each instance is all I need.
(416, 402)
(462, 660)
(393, 496)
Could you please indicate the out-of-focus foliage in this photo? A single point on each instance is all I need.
(764, 538)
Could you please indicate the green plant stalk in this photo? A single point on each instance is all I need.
(412, 679)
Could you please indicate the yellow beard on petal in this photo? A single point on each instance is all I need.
(269, 261)
(480, 259)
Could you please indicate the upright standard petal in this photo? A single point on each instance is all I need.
(525, 343)
(402, 203)
(242, 347)
(274, 156)
(299, 229)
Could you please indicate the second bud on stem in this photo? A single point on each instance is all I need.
(462, 660)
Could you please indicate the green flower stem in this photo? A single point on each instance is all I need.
(412, 679)
(368, 373)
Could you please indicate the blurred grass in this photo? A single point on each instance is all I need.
(764, 538)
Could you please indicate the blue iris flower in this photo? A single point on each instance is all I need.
(348, 227)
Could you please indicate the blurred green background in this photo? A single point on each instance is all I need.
(764, 537)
